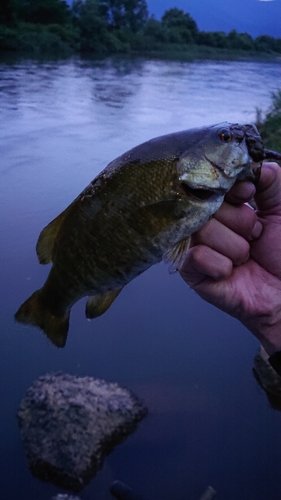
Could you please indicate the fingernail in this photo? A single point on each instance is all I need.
(257, 230)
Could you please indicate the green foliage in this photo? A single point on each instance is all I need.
(240, 41)
(177, 18)
(8, 38)
(155, 31)
(9, 10)
(126, 14)
(91, 24)
(120, 41)
(67, 33)
(180, 26)
(32, 38)
(265, 43)
(106, 26)
(270, 126)
(216, 39)
(45, 11)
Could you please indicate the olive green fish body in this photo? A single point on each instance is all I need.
(140, 209)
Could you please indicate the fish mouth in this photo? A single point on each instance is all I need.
(201, 193)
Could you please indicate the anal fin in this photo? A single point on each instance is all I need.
(98, 304)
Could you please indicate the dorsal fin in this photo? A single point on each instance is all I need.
(98, 304)
(47, 238)
(176, 254)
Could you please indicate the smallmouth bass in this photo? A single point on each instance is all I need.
(140, 209)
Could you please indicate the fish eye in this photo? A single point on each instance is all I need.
(225, 135)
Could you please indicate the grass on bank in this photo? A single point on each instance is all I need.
(269, 125)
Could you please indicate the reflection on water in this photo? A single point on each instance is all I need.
(209, 423)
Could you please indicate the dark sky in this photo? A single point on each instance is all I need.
(252, 16)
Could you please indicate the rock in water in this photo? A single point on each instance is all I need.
(63, 496)
(268, 379)
(68, 424)
(121, 491)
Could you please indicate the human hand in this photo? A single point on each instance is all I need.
(235, 260)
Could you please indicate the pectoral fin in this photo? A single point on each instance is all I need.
(175, 255)
(98, 304)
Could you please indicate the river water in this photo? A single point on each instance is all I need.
(208, 422)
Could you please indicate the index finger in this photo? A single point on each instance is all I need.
(241, 219)
(241, 192)
(268, 194)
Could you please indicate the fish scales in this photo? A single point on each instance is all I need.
(140, 209)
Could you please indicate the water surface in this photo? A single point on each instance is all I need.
(209, 423)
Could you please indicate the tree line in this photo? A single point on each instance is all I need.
(108, 26)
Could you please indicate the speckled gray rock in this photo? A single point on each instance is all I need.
(64, 496)
(68, 424)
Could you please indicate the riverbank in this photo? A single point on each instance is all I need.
(32, 40)
(49, 49)
(203, 52)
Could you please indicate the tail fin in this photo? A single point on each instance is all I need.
(34, 312)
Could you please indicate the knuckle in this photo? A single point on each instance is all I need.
(199, 253)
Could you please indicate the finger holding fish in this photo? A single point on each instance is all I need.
(241, 192)
(241, 219)
(224, 241)
(203, 265)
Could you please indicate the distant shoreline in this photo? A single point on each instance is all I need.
(189, 54)
(201, 52)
